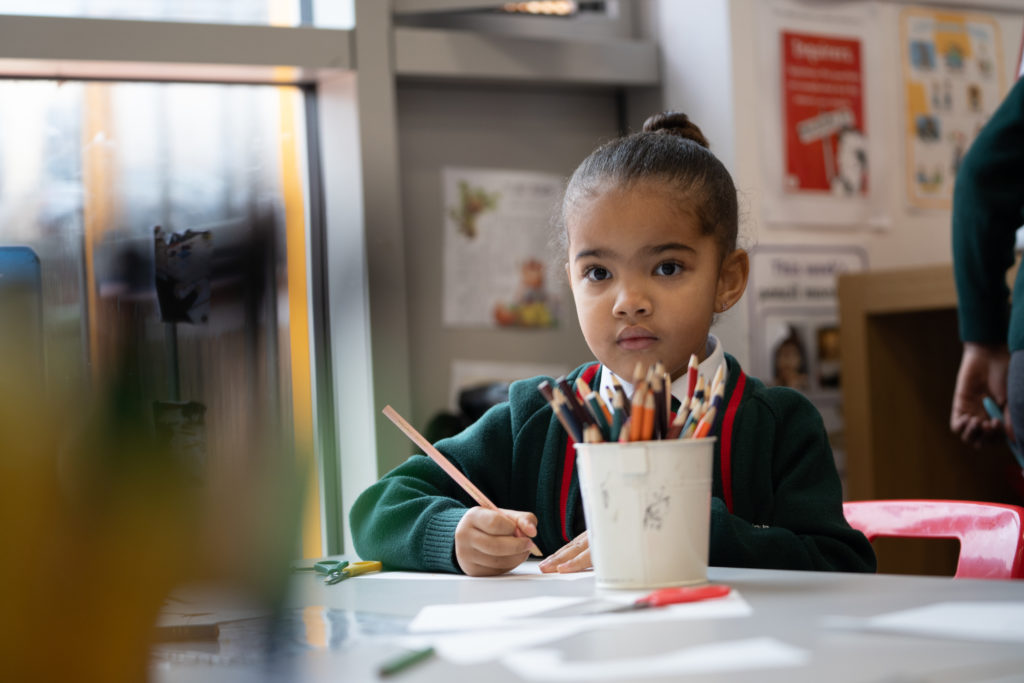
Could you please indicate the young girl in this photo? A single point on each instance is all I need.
(649, 228)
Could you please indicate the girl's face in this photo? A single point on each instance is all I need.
(645, 280)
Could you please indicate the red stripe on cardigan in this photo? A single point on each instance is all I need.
(726, 450)
(570, 460)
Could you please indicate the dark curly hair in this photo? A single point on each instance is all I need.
(671, 150)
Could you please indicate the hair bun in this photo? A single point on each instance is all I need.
(678, 124)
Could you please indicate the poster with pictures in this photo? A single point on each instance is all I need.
(497, 237)
(823, 104)
(794, 324)
(952, 82)
(822, 162)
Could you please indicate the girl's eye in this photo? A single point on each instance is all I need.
(668, 268)
(596, 274)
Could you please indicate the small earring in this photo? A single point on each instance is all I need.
(722, 308)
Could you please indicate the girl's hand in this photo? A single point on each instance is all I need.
(574, 556)
(486, 544)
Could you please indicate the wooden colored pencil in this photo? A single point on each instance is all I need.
(647, 433)
(619, 416)
(637, 413)
(592, 434)
(609, 395)
(719, 376)
(619, 389)
(546, 391)
(676, 428)
(599, 412)
(692, 370)
(718, 396)
(452, 471)
(705, 424)
(638, 376)
(699, 392)
(582, 388)
(626, 428)
(582, 416)
(667, 383)
(658, 392)
(691, 418)
(566, 416)
(560, 410)
(603, 406)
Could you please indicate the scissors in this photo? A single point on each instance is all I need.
(334, 571)
(345, 570)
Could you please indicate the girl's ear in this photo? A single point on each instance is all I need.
(732, 280)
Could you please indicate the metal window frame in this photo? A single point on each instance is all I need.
(358, 295)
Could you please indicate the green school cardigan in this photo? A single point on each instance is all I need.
(988, 207)
(776, 496)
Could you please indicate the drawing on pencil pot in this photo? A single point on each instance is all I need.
(648, 230)
(657, 509)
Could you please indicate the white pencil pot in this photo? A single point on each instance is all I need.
(648, 511)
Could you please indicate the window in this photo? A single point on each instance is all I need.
(279, 12)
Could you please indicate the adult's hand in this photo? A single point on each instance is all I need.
(983, 369)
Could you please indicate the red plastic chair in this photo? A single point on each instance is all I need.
(990, 534)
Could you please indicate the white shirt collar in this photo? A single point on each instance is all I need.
(714, 356)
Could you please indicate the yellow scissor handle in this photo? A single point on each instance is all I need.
(352, 569)
(357, 568)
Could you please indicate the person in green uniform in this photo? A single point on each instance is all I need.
(988, 208)
(649, 226)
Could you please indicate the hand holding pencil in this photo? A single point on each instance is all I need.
(488, 540)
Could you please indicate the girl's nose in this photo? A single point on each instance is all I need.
(631, 301)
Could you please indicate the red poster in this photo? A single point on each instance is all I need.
(823, 111)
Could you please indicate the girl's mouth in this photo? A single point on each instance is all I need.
(636, 339)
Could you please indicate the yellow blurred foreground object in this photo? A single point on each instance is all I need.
(99, 525)
(101, 520)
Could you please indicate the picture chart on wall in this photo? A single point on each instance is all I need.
(952, 82)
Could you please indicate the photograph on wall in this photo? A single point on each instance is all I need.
(952, 82)
(497, 238)
(823, 107)
(794, 324)
(821, 163)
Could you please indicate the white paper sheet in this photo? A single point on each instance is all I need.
(474, 647)
(968, 620)
(514, 613)
(737, 655)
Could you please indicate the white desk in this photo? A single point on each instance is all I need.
(343, 632)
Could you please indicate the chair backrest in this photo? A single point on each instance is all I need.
(991, 535)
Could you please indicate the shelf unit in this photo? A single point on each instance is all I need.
(901, 353)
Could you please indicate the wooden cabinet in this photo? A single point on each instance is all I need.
(900, 355)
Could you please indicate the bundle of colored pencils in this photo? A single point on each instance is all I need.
(648, 415)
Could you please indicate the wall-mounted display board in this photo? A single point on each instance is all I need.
(952, 82)
(819, 152)
(496, 240)
(794, 324)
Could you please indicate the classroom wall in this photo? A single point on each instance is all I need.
(721, 38)
(529, 128)
(711, 69)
